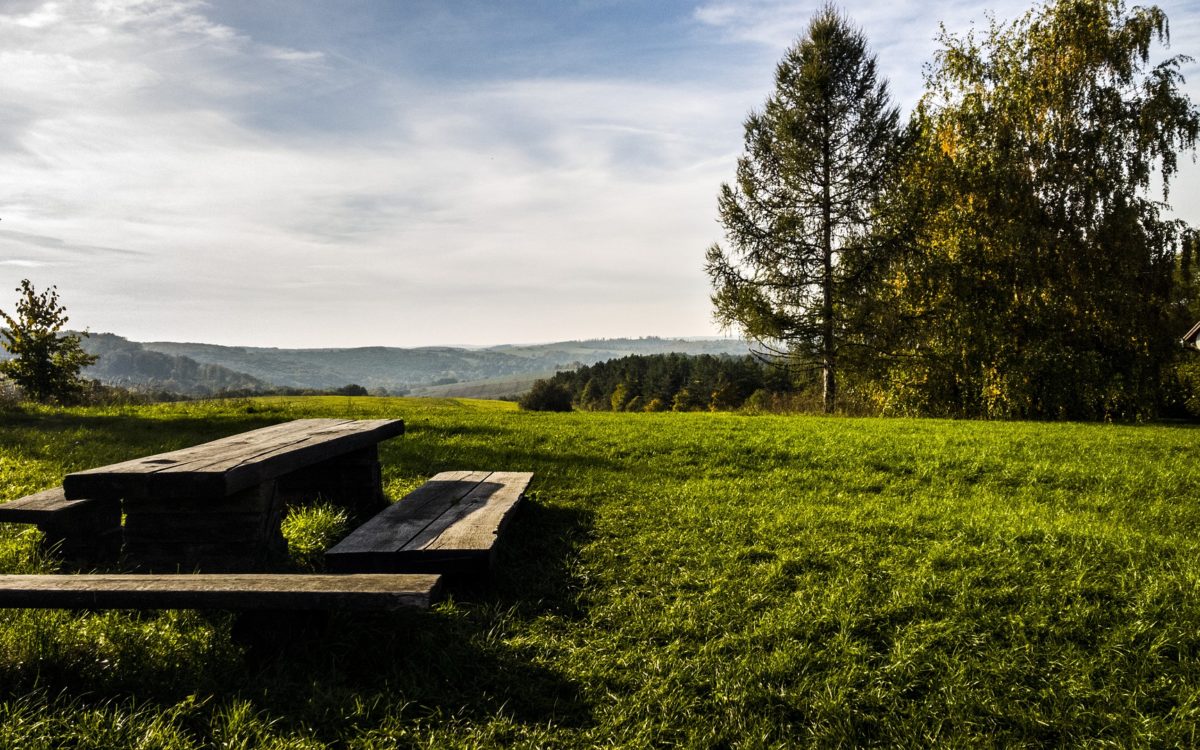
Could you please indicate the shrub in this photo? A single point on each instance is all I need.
(1187, 386)
(546, 395)
(760, 401)
(620, 396)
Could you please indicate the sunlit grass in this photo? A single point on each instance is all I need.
(310, 530)
(701, 580)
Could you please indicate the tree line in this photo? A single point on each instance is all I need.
(664, 382)
(1006, 252)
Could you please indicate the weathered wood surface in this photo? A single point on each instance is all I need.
(223, 467)
(216, 591)
(235, 534)
(352, 481)
(452, 520)
(84, 531)
(42, 506)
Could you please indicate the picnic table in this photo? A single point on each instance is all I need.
(218, 506)
(209, 517)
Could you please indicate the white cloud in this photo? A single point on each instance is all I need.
(188, 180)
(477, 209)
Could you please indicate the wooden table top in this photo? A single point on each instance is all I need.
(223, 467)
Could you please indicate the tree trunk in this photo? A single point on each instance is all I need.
(828, 378)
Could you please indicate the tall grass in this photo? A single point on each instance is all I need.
(696, 580)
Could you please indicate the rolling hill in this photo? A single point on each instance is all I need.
(206, 369)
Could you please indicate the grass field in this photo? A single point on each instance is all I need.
(690, 580)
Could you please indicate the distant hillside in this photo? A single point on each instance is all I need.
(130, 365)
(206, 369)
(417, 369)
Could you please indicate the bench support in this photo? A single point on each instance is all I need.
(85, 532)
(238, 533)
(352, 481)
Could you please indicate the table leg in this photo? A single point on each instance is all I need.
(353, 481)
(237, 533)
(87, 536)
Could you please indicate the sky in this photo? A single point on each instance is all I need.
(301, 173)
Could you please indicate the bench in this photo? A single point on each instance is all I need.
(84, 531)
(448, 525)
(217, 507)
(240, 592)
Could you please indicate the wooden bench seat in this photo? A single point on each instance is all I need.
(85, 530)
(448, 525)
(239, 591)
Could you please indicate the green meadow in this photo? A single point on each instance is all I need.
(674, 580)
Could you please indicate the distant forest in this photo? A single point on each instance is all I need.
(677, 382)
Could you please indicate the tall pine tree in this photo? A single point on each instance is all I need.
(799, 214)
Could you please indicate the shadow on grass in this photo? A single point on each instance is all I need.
(464, 659)
(458, 660)
(349, 671)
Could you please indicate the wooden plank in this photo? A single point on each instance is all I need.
(195, 528)
(451, 535)
(130, 478)
(320, 446)
(201, 470)
(220, 591)
(42, 506)
(399, 523)
(230, 464)
(478, 527)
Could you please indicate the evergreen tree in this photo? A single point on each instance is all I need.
(816, 159)
(45, 364)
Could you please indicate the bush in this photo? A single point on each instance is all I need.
(1185, 388)
(759, 402)
(546, 395)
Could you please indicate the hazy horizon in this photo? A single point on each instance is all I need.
(453, 345)
(295, 174)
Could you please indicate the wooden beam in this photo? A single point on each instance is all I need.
(225, 466)
(220, 591)
(449, 524)
(43, 506)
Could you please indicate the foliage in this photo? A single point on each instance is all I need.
(312, 529)
(1183, 387)
(685, 580)
(798, 215)
(676, 381)
(546, 395)
(46, 363)
(1037, 276)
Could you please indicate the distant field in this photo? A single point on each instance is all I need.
(492, 388)
(693, 580)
